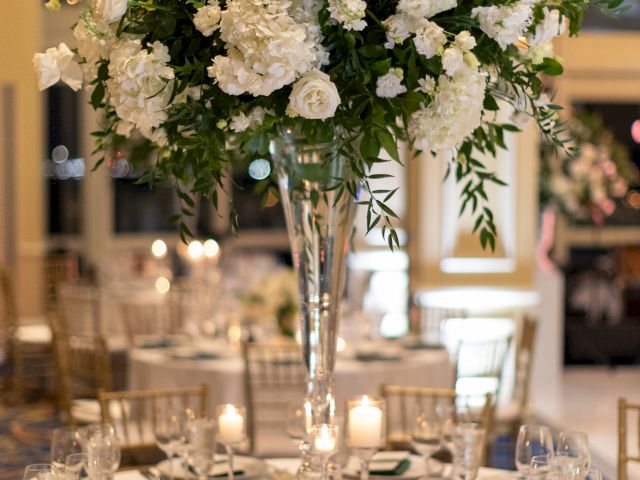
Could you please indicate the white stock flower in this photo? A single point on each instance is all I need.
(350, 13)
(110, 10)
(207, 18)
(397, 27)
(504, 24)
(429, 39)
(266, 48)
(425, 8)
(314, 96)
(390, 84)
(426, 85)
(465, 41)
(94, 39)
(140, 84)
(551, 26)
(452, 60)
(57, 63)
(453, 114)
(239, 122)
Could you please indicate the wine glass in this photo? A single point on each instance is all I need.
(566, 467)
(298, 422)
(574, 444)
(75, 465)
(64, 442)
(533, 440)
(427, 432)
(40, 471)
(102, 448)
(232, 429)
(540, 467)
(201, 446)
(169, 433)
(593, 474)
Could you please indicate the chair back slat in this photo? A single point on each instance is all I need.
(274, 377)
(627, 410)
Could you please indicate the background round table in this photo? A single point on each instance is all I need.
(158, 368)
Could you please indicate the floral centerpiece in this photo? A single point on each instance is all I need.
(585, 183)
(273, 298)
(199, 80)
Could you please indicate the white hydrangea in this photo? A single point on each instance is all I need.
(94, 39)
(390, 84)
(110, 11)
(425, 8)
(453, 114)
(398, 29)
(465, 41)
(430, 38)
(241, 121)
(551, 26)
(266, 48)
(504, 24)
(305, 12)
(452, 60)
(350, 13)
(140, 85)
(207, 18)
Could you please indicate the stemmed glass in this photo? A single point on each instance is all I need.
(74, 464)
(170, 433)
(102, 447)
(64, 442)
(201, 446)
(232, 429)
(533, 440)
(365, 429)
(40, 471)
(574, 444)
(426, 435)
(593, 474)
(298, 423)
(540, 467)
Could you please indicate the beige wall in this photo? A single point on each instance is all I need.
(25, 142)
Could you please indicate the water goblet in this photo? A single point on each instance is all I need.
(40, 471)
(575, 444)
(169, 433)
(64, 442)
(468, 444)
(567, 467)
(365, 429)
(232, 429)
(593, 474)
(298, 422)
(426, 435)
(533, 440)
(75, 465)
(201, 446)
(102, 447)
(540, 467)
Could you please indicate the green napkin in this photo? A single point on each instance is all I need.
(402, 467)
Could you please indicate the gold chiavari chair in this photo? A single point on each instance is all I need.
(626, 412)
(59, 267)
(78, 308)
(142, 316)
(403, 402)
(30, 358)
(513, 414)
(275, 377)
(135, 413)
(84, 368)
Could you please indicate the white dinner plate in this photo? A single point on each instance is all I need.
(416, 470)
(251, 468)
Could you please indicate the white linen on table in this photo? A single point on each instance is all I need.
(156, 368)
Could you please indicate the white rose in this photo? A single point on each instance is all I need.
(110, 10)
(314, 96)
(57, 63)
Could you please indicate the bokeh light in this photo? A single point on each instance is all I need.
(195, 249)
(159, 248)
(163, 285)
(211, 248)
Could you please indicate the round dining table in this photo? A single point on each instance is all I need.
(170, 367)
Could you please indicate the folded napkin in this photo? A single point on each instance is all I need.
(392, 469)
(219, 471)
(423, 346)
(196, 356)
(376, 356)
(164, 343)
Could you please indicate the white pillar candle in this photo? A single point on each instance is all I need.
(365, 425)
(325, 441)
(230, 426)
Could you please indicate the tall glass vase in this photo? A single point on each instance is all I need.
(319, 222)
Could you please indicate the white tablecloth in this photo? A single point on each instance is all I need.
(157, 368)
